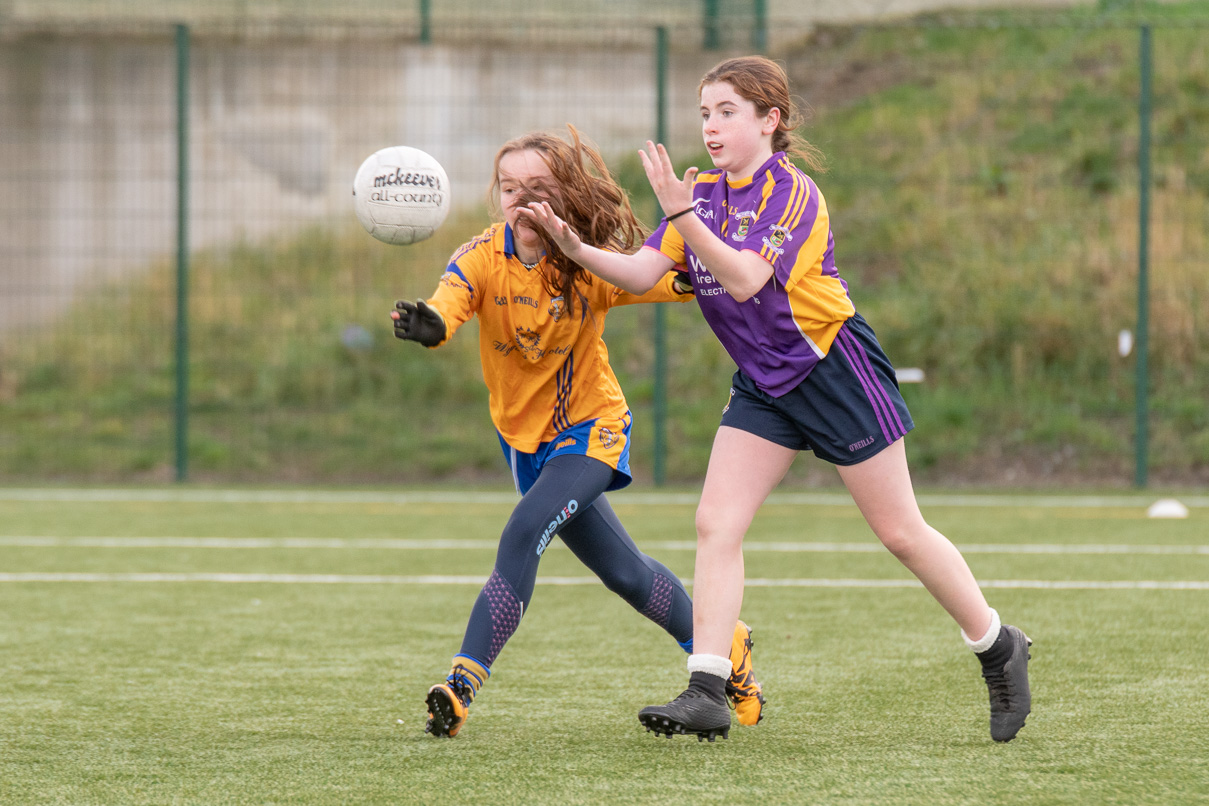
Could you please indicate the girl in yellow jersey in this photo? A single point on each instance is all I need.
(561, 417)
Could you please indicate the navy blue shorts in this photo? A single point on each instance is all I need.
(847, 409)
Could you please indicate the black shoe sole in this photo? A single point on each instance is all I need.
(669, 727)
(443, 716)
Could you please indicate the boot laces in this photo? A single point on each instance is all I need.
(1000, 685)
(690, 694)
(461, 686)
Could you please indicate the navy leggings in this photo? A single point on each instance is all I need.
(567, 499)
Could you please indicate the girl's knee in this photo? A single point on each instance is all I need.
(516, 537)
(905, 540)
(719, 529)
(900, 542)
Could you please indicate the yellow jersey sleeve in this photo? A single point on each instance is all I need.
(459, 294)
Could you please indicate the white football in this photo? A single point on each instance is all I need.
(401, 195)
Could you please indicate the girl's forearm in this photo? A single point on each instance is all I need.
(637, 273)
(741, 272)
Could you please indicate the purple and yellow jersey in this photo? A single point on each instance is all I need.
(785, 329)
(546, 369)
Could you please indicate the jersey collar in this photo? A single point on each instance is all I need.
(771, 161)
(509, 247)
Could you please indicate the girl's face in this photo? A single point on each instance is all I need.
(524, 171)
(738, 137)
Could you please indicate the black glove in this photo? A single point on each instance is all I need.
(682, 283)
(418, 322)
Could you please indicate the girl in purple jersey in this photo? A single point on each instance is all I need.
(756, 237)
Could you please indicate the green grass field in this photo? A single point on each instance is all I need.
(198, 647)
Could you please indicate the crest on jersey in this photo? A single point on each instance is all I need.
(745, 222)
(779, 235)
(558, 306)
(527, 339)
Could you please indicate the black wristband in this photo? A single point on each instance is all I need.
(677, 215)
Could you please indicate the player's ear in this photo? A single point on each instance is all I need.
(771, 121)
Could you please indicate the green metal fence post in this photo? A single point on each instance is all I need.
(711, 35)
(425, 21)
(660, 390)
(182, 252)
(759, 26)
(1142, 382)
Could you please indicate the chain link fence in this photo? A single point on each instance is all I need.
(987, 220)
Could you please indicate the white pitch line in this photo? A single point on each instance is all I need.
(622, 498)
(243, 542)
(404, 544)
(1027, 584)
(354, 579)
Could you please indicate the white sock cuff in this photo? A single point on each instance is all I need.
(716, 665)
(984, 643)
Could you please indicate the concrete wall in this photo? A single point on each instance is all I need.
(278, 128)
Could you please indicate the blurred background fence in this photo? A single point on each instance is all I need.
(990, 181)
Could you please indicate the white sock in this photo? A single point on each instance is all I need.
(716, 665)
(984, 643)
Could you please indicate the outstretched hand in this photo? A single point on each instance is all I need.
(542, 214)
(416, 321)
(674, 194)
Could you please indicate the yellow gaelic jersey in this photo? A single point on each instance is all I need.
(546, 369)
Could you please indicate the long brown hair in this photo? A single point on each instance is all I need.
(764, 83)
(588, 199)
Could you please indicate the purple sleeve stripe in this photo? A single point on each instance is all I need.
(792, 213)
(798, 193)
(765, 195)
(770, 184)
(811, 213)
(805, 197)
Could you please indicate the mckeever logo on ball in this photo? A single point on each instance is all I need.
(409, 187)
(413, 178)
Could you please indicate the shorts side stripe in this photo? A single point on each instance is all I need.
(877, 409)
(868, 384)
(512, 463)
(896, 430)
(882, 389)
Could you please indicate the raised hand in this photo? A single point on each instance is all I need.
(674, 194)
(560, 231)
